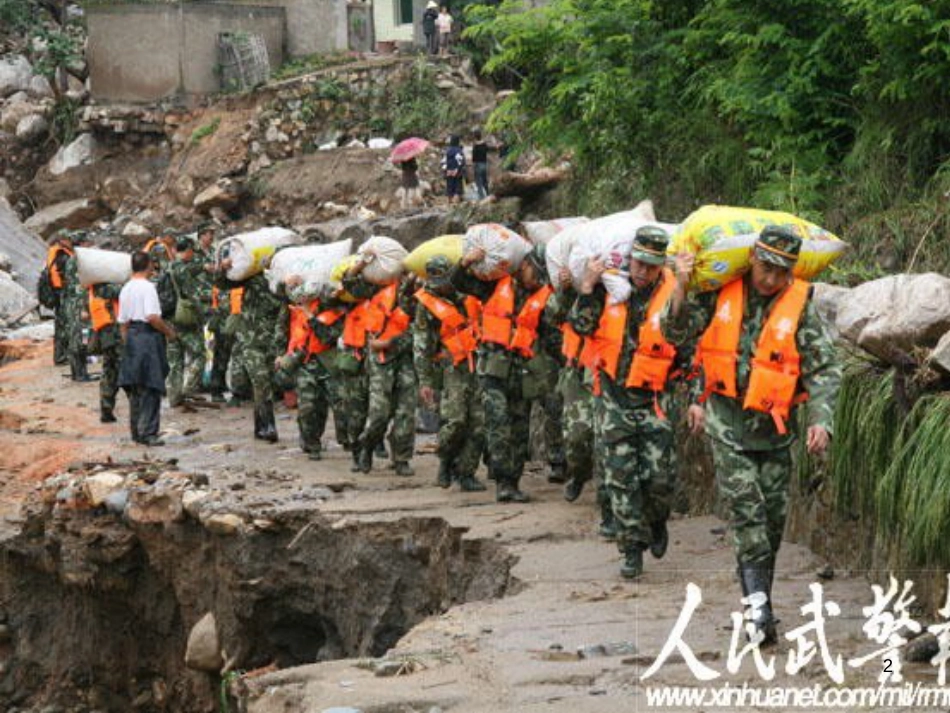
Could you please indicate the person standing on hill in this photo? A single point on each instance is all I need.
(453, 167)
(429, 18)
(480, 164)
(444, 24)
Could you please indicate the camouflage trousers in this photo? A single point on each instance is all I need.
(552, 412)
(221, 357)
(186, 360)
(256, 365)
(753, 485)
(335, 396)
(392, 395)
(637, 461)
(238, 376)
(60, 335)
(313, 402)
(462, 422)
(580, 431)
(76, 345)
(354, 390)
(111, 353)
(507, 429)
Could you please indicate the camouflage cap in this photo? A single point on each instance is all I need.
(80, 237)
(63, 234)
(650, 244)
(438, 270)
(206, 226)
(779, 245)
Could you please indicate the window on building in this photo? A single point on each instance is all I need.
(404, 12)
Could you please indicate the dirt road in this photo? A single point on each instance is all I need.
(569, 635)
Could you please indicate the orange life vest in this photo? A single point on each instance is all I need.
(776, 364)
(236, 300)
(497, 313)
(571, 345)
(102, 311)
(55, 278)
(654, 356)
(354, 326)
(215, 295)
(527, 321)
(387, 320)
(458, 333)
(301, 334)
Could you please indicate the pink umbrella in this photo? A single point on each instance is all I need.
(408, 149)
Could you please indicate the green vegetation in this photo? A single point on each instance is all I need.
(47, 26)
(206, 130)
(833, 109)
(310, 63)
(419, 108)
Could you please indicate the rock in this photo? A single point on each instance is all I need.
(191, 500)
(273, 135)
(14, 299)
(922, 648)
(412, 230)
(5, 190)
(341, 710)
(15, 74)
(5, 263)
(940, 356)
(99, 486)
(117, 501)
(115, 189)
(80, 152)
(80, 213)
(16, 111)
(135, 230)
(333, 230)
(184, 190)
(40, 87)
(222, 194)
(37, 332)
(445, 84)
(224, 524)
(203, 652)
(901, 311)
(156, 505)
(26, 251)
(356, 144)
(31, 128)
(827, 300)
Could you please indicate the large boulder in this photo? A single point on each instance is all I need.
(14, 299)
(40, 87)
(901, 311)
(80, 152)
(203, 652)
(31, 128)
(16, 111)
(827, 300)
(224, 194)
(15, 74)
(414, 229)
(80, 213)
(940, 356)
(25, 250)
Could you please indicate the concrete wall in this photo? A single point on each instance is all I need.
(313, 26)
(143, 53)
(385, 13)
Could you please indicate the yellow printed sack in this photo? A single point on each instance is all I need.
(448, 245)
(339, 270)
(720, 238)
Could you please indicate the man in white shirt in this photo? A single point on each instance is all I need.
(144, 365)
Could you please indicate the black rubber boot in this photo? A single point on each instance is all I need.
(445, 475)
(471, 484)
(632, 566)
(660, 539)
(364, 460)
(265, 426)
(77, 368)
(381, 451)
(557, 473)
(573, 489)
(106, 415)
(755, 581)
(507, 492)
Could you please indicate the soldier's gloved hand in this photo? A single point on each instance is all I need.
(592, 272)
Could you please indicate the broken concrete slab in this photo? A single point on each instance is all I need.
(25, 250)
(80, 213)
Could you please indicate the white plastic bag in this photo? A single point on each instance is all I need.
(611, 239)
(96, 266)
(504, 250)
(251, 252)
(387, 256)
(313, 263)
(544, 231)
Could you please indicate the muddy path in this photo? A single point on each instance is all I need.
(370, 592)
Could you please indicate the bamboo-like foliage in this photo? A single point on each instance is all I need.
(913, 497)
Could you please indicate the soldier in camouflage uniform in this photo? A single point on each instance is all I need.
(186, 355)
(254, 347)
(59, 253)
(462, 421)
(104, 311)
(74, 302)
(750, 440)
(580, 418)
(392, 379)
(635, 435)
(501, 367)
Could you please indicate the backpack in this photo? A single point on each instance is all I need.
(47, 296)
(167, 296)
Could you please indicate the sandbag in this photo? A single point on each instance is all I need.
(96, 266)
(251, 252)
(504, 250)
(611, 239)
(386, 265)
(720, 238)
(543, 231)
(313, 263)
(448, 245)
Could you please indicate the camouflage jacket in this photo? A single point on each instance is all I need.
(428, 352)
(73, 297)
(192, 282)
(259, 311)
(726, 420)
